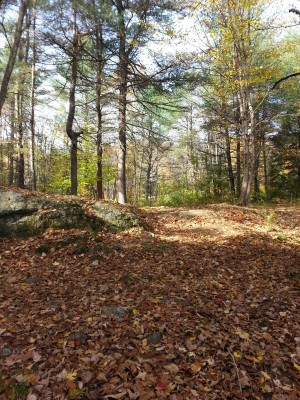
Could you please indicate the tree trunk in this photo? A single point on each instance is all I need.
(148, 176)
(74, 165)
(100, 64)
(73, 136)
(229, 165)
(122, 71)
(21, 159)
(238, 165)
(13, 53)
(249, 145)
(264, 152)
(33, 84)
(11, 147)
(256, 176)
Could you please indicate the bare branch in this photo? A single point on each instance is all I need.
(284, 79)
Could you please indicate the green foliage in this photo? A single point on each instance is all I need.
(281, 237)
(177, 194)
(15, 391)
(271, 218)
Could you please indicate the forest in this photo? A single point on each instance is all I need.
(151, 102)
(149, 200)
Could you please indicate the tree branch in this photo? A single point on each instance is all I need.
(294, 10)
(285, 78)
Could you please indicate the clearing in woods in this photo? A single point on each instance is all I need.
(203, 305)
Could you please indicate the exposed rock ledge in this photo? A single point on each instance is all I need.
(25, 213)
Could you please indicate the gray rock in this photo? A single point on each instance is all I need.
(155, 338)
(115, 310)
(128, 280)
(32, 280)
(116, 217)
(23, 213)
(78, 337)
(6, 352)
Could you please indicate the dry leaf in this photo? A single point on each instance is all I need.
(116, 396)
(172, 368)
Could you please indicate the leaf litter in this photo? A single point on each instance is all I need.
(204, 305)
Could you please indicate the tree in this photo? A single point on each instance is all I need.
(13, 52)
(134, 22)
(233, 26)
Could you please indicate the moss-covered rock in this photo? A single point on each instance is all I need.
(32, 221)
(24, 213)
(116, 217)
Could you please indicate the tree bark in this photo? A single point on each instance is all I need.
(100, 64)
(123, 75)
(33, 84)
(250, 149)
(13, 53)
(229, 165)
(21, 158)
(73, 136)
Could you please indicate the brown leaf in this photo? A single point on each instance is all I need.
(172, 368)
(116, 396)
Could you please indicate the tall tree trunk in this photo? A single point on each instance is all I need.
(11, 148)
(99, 73)
(21, 158)
(13, 53)
(229, 165)
(33, 84)
(256, 175)
(122, 71)
(238, 164)
(148, 175)
(73, 136)
(249, 145)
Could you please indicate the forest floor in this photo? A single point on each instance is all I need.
(205, 304)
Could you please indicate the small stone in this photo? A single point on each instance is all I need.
(6, 352)
(78, 338)
(31, 280)
(115, 310)
(80, 249)
(128, 280)
(155, 338)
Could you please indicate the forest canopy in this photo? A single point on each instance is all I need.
(151, 102)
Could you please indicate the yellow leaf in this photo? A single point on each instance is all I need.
(135, 312)
(237, 355)
(265, 375)
(144, 342)
(259, 358)
(297, 366)
(242, 334)
(72, 375)
(89, 319)
(195, 368)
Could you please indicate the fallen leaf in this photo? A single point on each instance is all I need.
(242, 334)
(195, 368)
(161, 386)
(172, 368)
(116, 396)
(297, 366)
(237, 355)
(72, 375)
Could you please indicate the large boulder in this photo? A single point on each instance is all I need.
(25, 213)
(115, 217)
